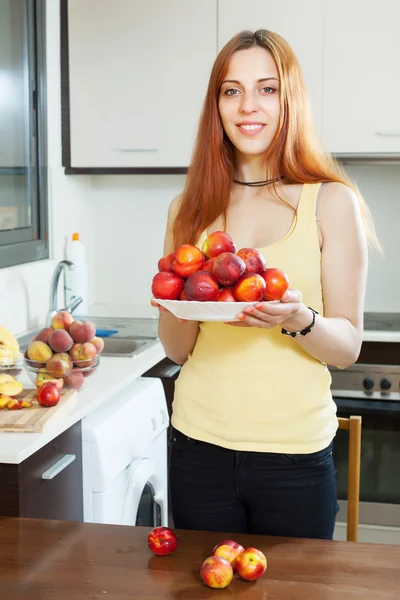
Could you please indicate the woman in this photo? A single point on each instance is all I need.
(253, 417)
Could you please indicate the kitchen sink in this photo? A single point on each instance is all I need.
(133, 336)
(125, 347)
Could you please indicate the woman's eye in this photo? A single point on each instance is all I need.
(268, 90)
(231, 92)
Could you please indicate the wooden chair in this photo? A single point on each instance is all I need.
(353, 426)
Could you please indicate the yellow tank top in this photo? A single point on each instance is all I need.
(256, 389)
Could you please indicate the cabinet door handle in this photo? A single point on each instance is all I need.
(394, 133)
(138, 149)
(59, 466)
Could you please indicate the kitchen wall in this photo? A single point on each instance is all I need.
(122, 220)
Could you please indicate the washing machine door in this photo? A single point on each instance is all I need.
(137, 497)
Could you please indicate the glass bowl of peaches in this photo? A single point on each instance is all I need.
(65, 353)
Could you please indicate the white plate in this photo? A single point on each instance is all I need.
(204, 311)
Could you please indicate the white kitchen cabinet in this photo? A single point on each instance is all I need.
(298, 21)
(138, 74)
(361, 83)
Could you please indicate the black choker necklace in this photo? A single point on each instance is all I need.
(258, 183)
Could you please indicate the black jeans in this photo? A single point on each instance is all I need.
(216, 489)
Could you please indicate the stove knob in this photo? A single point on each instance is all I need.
(386, 384)
(368, 383)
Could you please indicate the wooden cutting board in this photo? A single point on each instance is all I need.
(36, 418)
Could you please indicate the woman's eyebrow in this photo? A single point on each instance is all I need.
(259, 80)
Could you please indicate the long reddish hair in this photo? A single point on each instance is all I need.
(294, 153)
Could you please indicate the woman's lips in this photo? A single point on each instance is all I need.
(250, 129)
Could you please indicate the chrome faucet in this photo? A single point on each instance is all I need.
(54, 288)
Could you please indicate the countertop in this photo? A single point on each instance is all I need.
(112, 375)
(63, 560)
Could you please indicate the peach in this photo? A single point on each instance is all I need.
(83, 354)
(82, 331)
(226, 295)
(185, 270)
(202, 287)
(165, 263)
(60, 365)
(26, 404)
(98, 343)
(254, 260)
(4, 400)
(11, 388)
(43, 335)
(75, 380)
(14, 405)
(216, 243)
(189, 255)
(43, 377)
(60, 340)
(250, 288)
(167, 286)
(183, 295)
(39, 352)
(277, 282)
(4, 377)
(62, 320)
(228, 267)
(216, 572)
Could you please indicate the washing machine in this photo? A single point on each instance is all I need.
(125, 476)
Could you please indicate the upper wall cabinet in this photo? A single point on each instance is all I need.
(299, 22)
(138, 74)
(361, 82)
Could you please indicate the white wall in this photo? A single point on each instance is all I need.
(122, 220)
(380, 186)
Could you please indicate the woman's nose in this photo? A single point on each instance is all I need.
(248, 103)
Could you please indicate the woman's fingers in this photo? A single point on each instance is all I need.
(291, 295)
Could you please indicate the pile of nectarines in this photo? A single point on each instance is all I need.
(61, 351)
(217, 571)
(217, 273)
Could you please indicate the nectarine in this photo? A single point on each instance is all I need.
(202, 287)
(250, 288)
(165, 263)
(216, 243)
(277, 282)
(167, 286)
(255, 262)
(228, 267)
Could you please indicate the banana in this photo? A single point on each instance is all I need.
(8, 340)
(9, 347)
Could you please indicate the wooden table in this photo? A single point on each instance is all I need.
(59, 560)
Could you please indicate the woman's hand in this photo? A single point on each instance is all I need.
(271, 314)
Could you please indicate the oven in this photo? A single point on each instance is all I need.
(371, 388)
(372, 391)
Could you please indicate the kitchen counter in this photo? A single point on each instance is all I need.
(62, 560)
(112, 375)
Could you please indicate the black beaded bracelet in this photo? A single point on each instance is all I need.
(303, 331)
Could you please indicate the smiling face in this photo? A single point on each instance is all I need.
(248, 102)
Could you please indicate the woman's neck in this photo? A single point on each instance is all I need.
(250, 168)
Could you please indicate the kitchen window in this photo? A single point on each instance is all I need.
(23, 192)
